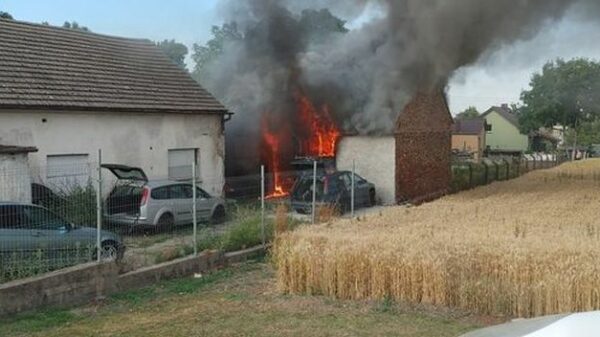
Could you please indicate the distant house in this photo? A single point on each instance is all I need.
(469, 136)
(70, 93)
(504, 136)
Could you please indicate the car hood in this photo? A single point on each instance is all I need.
(585, 324)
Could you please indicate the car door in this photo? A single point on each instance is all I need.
(181, 199)
(17, 242)
(204, 204)
(54, 237)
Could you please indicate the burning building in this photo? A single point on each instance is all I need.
(413, 162)
(299, 79)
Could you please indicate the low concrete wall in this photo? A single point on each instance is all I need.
(70, 286)
(84, 283)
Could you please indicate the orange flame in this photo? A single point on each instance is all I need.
(273, 141)
(317, 135)
(322, 134)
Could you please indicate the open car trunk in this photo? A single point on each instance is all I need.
(126, 196)
(125, 199)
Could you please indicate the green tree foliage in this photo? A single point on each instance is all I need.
(175, 51)
(588, 133)
(213, 49)
(469, 113)
(565, 93)
(75, 26)
(6, 15)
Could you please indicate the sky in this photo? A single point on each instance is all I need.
(498, 77)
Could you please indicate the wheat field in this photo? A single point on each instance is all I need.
(525, 247)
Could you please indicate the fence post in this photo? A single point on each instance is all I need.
(194, 207)
(497, 171)
(534, 163)
(314, 194)
(99, 209)
(487, 178)
(352, 196)
(470, 175)
(262, 205)
(518, 167)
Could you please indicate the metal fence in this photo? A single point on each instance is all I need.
(61, 215)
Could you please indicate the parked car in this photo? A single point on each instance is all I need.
(137, 202)
(29, 231)
(341, 182)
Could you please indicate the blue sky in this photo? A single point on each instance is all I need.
(497, 78)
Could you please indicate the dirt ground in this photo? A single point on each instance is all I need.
(241, 301)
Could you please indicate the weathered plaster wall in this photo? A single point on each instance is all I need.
(375, 161)
(15, 179)
(141, 140)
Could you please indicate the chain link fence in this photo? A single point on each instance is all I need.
(65, 214)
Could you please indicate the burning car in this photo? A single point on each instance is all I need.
(332, 189)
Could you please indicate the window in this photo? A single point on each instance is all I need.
(161, 193)
(67, 171)
(11, 217)
(179, 192)
(202, 194)
(180, 163)
(39, 218)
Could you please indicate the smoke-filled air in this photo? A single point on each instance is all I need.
(355, 62)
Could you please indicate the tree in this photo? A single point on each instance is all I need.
(565, 93)
(75, 26)
(175, 51)
(5, 15)
(204, 55)
(470, 113)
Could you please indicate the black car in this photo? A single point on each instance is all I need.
(338, 194)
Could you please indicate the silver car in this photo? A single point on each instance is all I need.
(136, 202)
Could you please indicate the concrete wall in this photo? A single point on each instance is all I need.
(15, 179)
(375, 161)
(84, 283)
(504, 135)
(125, 138)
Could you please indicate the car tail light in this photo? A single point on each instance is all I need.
(145, 196)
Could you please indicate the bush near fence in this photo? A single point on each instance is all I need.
(468, 175)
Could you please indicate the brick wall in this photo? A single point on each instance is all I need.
(423, 148)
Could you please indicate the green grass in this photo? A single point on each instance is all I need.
(239, 301)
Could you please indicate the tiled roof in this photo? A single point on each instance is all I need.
(45, 67)
(506, 113)
(473, 126)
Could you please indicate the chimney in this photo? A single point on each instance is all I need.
(505, 106)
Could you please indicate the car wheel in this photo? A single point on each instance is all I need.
(109, 252)
(165, 223)
(218, 215)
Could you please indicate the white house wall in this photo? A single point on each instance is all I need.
(15, 181)
(141, 140)
(375, 160)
